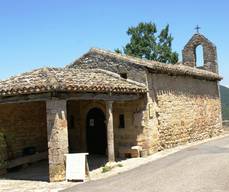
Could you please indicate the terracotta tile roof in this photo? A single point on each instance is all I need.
(62, 79)
(173, 69)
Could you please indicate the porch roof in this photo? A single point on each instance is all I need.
(71, 80)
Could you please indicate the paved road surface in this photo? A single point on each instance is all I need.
(202, 168)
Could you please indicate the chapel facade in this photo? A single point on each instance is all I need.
(106, 103)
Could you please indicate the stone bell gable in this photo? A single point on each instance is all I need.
(209, 53)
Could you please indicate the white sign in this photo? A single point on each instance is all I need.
(76, 166)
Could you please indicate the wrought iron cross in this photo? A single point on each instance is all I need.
(197, 28)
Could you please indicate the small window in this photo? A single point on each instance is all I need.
(123, 75)
(121, 121)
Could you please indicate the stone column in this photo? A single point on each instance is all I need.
(57, 130)
(110, 131)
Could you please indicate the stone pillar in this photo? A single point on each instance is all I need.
(57, 138)
(110, 131)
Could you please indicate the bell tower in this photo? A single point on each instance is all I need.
(209, 53)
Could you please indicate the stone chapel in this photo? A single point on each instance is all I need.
(105, 103)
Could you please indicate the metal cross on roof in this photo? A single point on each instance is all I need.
(197, 28)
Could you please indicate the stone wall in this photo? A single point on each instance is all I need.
(23, 125)
(187, 109)
(94, 60)
(177, 109)
(3, 154)
(137, 130)
(75, 128)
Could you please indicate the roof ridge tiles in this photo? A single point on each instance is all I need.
(176, 69)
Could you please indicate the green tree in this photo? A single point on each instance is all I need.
(145, 43)
(118, 50)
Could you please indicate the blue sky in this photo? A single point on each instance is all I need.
(42, 33)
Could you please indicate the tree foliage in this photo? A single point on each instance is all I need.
(145, 43)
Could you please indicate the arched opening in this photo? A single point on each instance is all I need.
(96, 132)
(199, 56)
(201, 53)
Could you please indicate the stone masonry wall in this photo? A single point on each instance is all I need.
(94, 60)
(136, 131)
(209, 53)
(23, 125)
(3, 154)
(187, 109)
(75, 129)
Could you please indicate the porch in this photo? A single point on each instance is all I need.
(70, 125)
(74, 110)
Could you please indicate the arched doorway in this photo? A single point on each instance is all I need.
(96, 132)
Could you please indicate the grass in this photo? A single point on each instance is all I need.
(107, 168)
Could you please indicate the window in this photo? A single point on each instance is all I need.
(121, 121)
(123, 75)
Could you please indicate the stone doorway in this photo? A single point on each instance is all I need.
(96, 133)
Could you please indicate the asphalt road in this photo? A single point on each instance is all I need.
(202, 168)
